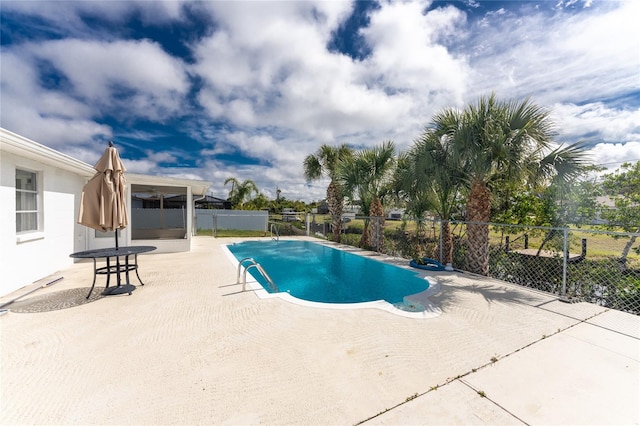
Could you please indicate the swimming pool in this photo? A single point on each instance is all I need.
(318, 273)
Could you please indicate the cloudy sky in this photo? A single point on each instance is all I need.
(208, 90)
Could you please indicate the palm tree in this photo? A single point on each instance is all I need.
(324, 163)
(408, 191)
(240, 191)
(258, 203)
(429, 175)
(505, 141)
(364, 176)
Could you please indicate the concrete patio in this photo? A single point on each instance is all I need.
(188, 348)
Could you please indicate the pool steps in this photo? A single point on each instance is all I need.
(253, 264)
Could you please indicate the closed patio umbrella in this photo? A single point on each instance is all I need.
(103, 204)
(103, 201)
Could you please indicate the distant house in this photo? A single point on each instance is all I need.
(323, 207)
(395, 214)
(176, 201)
(40, 194)
(605, 203)
(352, 208)
(212, 203)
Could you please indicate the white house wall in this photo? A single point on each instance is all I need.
(28, 257)
(32, 256)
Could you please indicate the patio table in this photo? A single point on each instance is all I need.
(118, 268)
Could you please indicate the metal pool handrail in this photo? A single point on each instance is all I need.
(274, 227)
(253, 264)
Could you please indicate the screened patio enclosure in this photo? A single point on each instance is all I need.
(158, 212)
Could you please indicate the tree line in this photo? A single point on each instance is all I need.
(492, 161)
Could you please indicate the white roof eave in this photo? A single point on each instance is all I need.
(198, 187)
(19, 145)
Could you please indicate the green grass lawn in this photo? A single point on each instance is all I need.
(598, 245)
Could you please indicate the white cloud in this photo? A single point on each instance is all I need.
(49, 117)
(280, 164)
(271, 67)
(144, 166)
(407, 54)
(124, 78)
(597, 122)
(151, 81)
(258, 44)
(612, 156)
(268, 180)
(67, 15)
(160, 157)
(560, 58)
(267, 64)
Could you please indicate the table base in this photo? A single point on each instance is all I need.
(120, 289)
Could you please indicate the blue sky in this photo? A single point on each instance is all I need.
(208, 90)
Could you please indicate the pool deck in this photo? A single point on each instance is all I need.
(189, 348)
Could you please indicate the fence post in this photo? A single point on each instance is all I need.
(308, 223)
(565, 251)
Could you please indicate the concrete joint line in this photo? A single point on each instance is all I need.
(485, 396)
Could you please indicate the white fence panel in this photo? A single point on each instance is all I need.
(250, 220)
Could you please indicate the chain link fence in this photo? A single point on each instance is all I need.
(584, 264)
(589, 265)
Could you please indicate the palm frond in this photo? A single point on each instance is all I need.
(564, 164)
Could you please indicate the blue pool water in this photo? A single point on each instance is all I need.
(318, 273)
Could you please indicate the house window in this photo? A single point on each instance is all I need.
(27, 205)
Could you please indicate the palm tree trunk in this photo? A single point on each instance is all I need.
(478, 210)
(364, 238)
(334, 202)
(376, 226)
(447, 243)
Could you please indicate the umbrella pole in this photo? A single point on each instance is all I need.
(117, 260)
